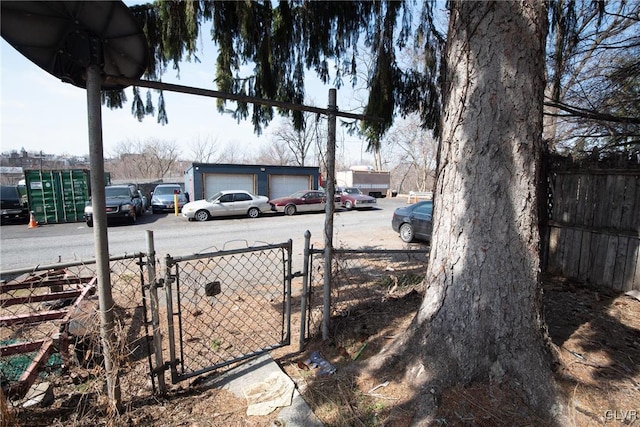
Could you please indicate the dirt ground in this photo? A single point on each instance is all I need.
(595, 333)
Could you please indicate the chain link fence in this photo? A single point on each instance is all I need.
(227, 306)
(50, 319)
(217, 309)
(360, 277)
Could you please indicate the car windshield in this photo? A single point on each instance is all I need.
(117, 192)
(9, 192)
(352, 190)
(163, 191)
(215, 197)
(299, 194)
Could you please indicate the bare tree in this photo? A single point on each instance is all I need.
(321, 139)
(161, 156)
(591, 96)
(234, 154)
(125, 161)
(298, 141)
(344, 159)
(152, 159)
(362, 78)
(413, 153)
(203, 149)
(275, 153)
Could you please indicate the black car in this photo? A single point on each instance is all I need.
(12, 206)
(141, 202)
(414, 222)
(122, 204)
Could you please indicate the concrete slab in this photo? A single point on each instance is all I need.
(260, 372)
(39, 395)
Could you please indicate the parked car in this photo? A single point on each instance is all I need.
(141, 207)
(12, 206)
(226, 203)
(300, 201)
(162, 198)
(122, 204)
(414, 222)
(145, 201)
(353, 198)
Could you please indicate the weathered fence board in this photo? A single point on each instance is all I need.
(593, 231)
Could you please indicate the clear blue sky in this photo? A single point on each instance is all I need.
(40, 112)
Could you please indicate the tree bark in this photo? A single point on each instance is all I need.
(480, 321)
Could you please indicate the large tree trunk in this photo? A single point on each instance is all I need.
(480, 320)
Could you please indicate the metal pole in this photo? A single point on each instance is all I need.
(287, 290)
(329, 210)
(170, 329)
(155, 313)
(305, 290)
(124, 81)
(94, 84)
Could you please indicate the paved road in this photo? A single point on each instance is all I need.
(21, 247)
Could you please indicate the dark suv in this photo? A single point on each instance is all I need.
(13, 209)
(122, 203)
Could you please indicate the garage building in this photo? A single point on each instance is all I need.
(203, 180)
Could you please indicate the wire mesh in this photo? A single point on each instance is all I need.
(227, 306)
(230, 306)
(360, 276)
(55, 312)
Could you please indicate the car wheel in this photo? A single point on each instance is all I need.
(89, 223)
(406, 232)
(201, 215)
(290, 210)
(348, 205)
(254, 213)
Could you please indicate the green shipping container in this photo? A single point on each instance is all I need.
(57, 196)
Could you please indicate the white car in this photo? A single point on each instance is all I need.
(227, 203)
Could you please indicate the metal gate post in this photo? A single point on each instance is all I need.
(305, 290)
(287, 291)
(170, 327)
(155, 314)
(330, 208)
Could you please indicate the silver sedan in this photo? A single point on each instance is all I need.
(226, 203)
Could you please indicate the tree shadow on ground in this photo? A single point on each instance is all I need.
(596, 334)
(354, 336)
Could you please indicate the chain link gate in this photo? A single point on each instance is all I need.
(227, 306)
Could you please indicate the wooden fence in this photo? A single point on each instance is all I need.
(592, 228)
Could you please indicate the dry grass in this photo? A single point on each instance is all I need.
(596, 335)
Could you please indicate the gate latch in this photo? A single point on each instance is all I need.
(294, 275)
